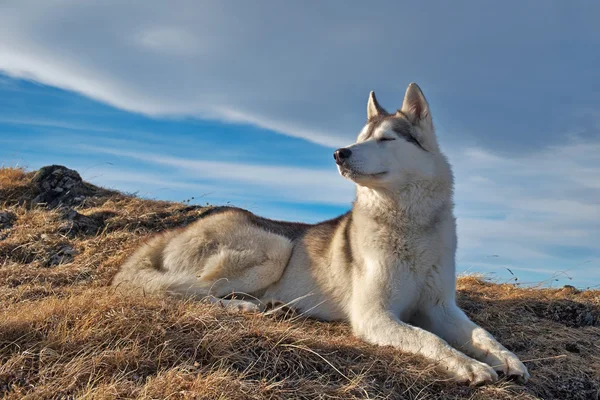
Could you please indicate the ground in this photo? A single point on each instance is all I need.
(64, 333)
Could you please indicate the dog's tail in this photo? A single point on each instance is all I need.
(144, 272)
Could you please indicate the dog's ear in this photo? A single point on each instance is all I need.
(374, 110)
(415, 106)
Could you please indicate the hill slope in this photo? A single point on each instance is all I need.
(65, 333)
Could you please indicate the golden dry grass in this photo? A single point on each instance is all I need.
(65, 334)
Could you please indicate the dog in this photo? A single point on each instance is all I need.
(387, 266)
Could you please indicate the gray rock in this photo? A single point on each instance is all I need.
(63, 255)
(76, 223)
(7, 219)
(59, 186)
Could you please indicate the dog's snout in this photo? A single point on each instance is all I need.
(340, 155)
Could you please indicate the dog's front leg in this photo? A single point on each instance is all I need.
(379, 326)
(450, 322)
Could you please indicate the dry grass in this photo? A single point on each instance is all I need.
(64, 333)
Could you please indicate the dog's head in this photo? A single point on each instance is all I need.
(392, 149)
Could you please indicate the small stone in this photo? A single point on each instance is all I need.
(6, 219)
(72, 214)
(571, 288)
(63, 255)
(572, 347)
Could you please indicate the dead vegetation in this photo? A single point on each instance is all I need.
(65, 334)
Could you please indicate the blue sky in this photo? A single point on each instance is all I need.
(244, 102)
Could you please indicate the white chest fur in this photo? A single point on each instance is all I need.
(404, 292)
(410, 270)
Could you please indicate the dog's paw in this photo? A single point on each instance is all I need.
(243, 306)
(278, 309)
(474, 373)
(234, 304)
(509, 364)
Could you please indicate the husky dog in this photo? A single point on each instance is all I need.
(387, 266)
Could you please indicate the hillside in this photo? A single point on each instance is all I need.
(65, 333)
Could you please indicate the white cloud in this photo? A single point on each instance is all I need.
(529, 208)
(299, 69)
(292, 184)
(178, 187)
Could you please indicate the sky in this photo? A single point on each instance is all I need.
(243, 103)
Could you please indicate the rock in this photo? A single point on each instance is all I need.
(571, 289)
(63, 255)
(6, 219)
(572, 313)
(59, 186)
(77, 223)
(572, 347)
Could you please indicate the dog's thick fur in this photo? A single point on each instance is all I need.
(387, 266)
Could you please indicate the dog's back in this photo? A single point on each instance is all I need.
(227, 250)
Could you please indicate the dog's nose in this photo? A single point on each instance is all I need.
(340, 155)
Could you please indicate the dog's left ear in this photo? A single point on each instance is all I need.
(415, 107)
(374, 110)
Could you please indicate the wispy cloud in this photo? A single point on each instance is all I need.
(177, 187)
(52, 123)
(280, 182)
(328, 139)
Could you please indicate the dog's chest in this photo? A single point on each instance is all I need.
(407, 250)
(412, 264)
(411, 288)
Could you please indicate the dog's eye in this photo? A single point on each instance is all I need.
(386, 139)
